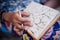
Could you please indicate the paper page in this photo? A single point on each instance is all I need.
(41, 17)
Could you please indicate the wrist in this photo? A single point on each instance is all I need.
(6, 16)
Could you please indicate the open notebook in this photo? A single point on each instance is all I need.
(42, 18)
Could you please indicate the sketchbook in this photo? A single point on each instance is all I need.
(42, 18)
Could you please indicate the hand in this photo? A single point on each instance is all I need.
(16, 20)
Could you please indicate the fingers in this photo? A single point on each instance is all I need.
(18, 23)
(17, 31)
(14, 21)
(25, 22)
(22, 19)
(18, 18)
(19, 26)
(24, 14)
(28, 24)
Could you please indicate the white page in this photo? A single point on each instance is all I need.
(41, 17)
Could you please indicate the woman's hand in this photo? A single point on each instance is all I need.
(17, 20)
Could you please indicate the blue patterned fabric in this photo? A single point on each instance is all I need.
(14, 5)
(56, 28)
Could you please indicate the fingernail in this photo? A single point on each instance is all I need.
(31, 25)
(25, 28)
(28, 19)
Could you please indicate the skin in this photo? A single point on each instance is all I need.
(15, 19)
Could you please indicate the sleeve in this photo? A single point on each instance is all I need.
(8, 6)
